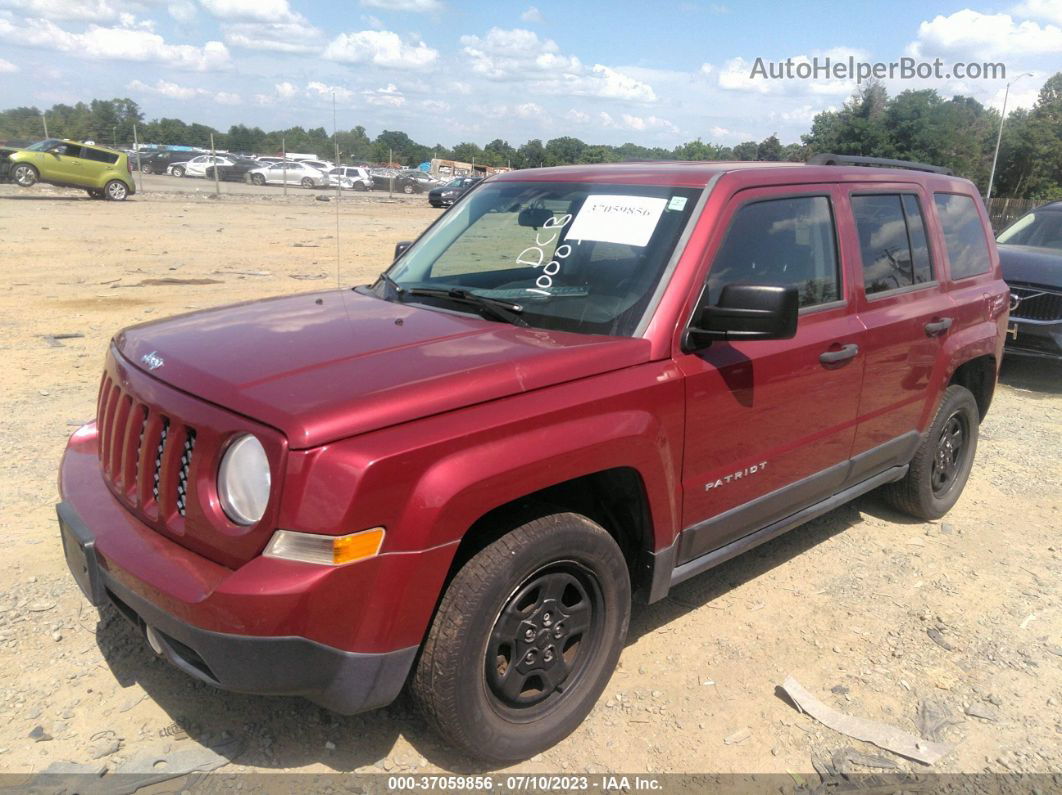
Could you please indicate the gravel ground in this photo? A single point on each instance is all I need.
(948, 629)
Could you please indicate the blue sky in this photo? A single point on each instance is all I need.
(447, 71)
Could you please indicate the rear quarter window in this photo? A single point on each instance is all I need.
(964, 235)
(99, 155)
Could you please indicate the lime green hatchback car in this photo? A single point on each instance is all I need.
(104, 173)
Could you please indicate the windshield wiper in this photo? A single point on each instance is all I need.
(502, 310)
(396, 288)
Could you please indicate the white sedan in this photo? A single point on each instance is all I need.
(292, 173)
(197, 166)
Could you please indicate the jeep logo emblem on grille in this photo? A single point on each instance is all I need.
(152, 361)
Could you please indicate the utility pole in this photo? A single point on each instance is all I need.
(214, 165)
(139, 169)
(44, 118)
(284, 154)
(390, 168)
(999, 136)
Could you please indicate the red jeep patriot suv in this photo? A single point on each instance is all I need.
(579, 383)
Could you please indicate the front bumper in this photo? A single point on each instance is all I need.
(345, 682)
(344, 637)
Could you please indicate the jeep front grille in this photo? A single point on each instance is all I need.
(134, 445)
(1036, 304)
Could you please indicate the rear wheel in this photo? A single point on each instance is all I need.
(258, 179)
(360, 186)
(408, 188)
(525, 638)
(942, 464)
(25, 175)
(116, 190)
(94, 193)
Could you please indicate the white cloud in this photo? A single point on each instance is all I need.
(166, 89)
(227, 98)
(319, 89)
(515, 55)
(285, 90)
(76, 10)
(182, 10)
(519, 55)
(381, 48)
(116, 44)
(416, 6)
(1050, 10)
(6, 67)
(532, 14)
(626, 121)
(389, 96)
(294, 37)
(251, 10)
(969, 33)
(435, 106)
(577, 116)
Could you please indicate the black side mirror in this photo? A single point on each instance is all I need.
(745, 312)
(400, 247)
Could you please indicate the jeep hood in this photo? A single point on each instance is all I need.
(323, 366)
(1031, 265)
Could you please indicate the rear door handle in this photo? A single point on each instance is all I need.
(935, 327)
(849, 351)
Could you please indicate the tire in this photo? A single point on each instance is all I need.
(116, 191)
(24, 175)
(360, 187)
(307, 182)
(408, 189)
(258, 179)
(941, 465)
(95, 193)
(146, 169)
(178, 172)
(466, 682)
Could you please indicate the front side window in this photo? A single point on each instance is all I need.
(892, 241)
(786, 241)
(964, 236)
(582, 257)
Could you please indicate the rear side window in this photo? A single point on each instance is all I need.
(99, 155)
(787, 241)
(964, 235)
(892, 241)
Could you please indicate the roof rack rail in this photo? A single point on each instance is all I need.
(884, 162)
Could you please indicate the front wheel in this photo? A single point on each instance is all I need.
(178, 172)
(25, 175)
(94, 193)
(525, 639)
(407, 189)
(942, 464)
(307, 182)
(116, 190)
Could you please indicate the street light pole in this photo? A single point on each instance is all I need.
(999, 135)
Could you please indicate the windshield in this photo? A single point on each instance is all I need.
(1042, 228)
(43, 146)
(580, 257)
(456, 183)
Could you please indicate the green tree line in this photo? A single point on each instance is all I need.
(913, 125)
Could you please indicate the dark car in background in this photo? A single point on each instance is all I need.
(158, 162)
(1030, 250)
(447, 194)
(234, 171)
(406, 180)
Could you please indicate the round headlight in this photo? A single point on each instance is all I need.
(244, 480)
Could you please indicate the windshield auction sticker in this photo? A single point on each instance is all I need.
(629, 220)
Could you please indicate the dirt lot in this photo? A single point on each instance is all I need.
(879, 616)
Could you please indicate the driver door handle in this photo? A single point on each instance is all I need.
(849, 351)
(936, 327)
